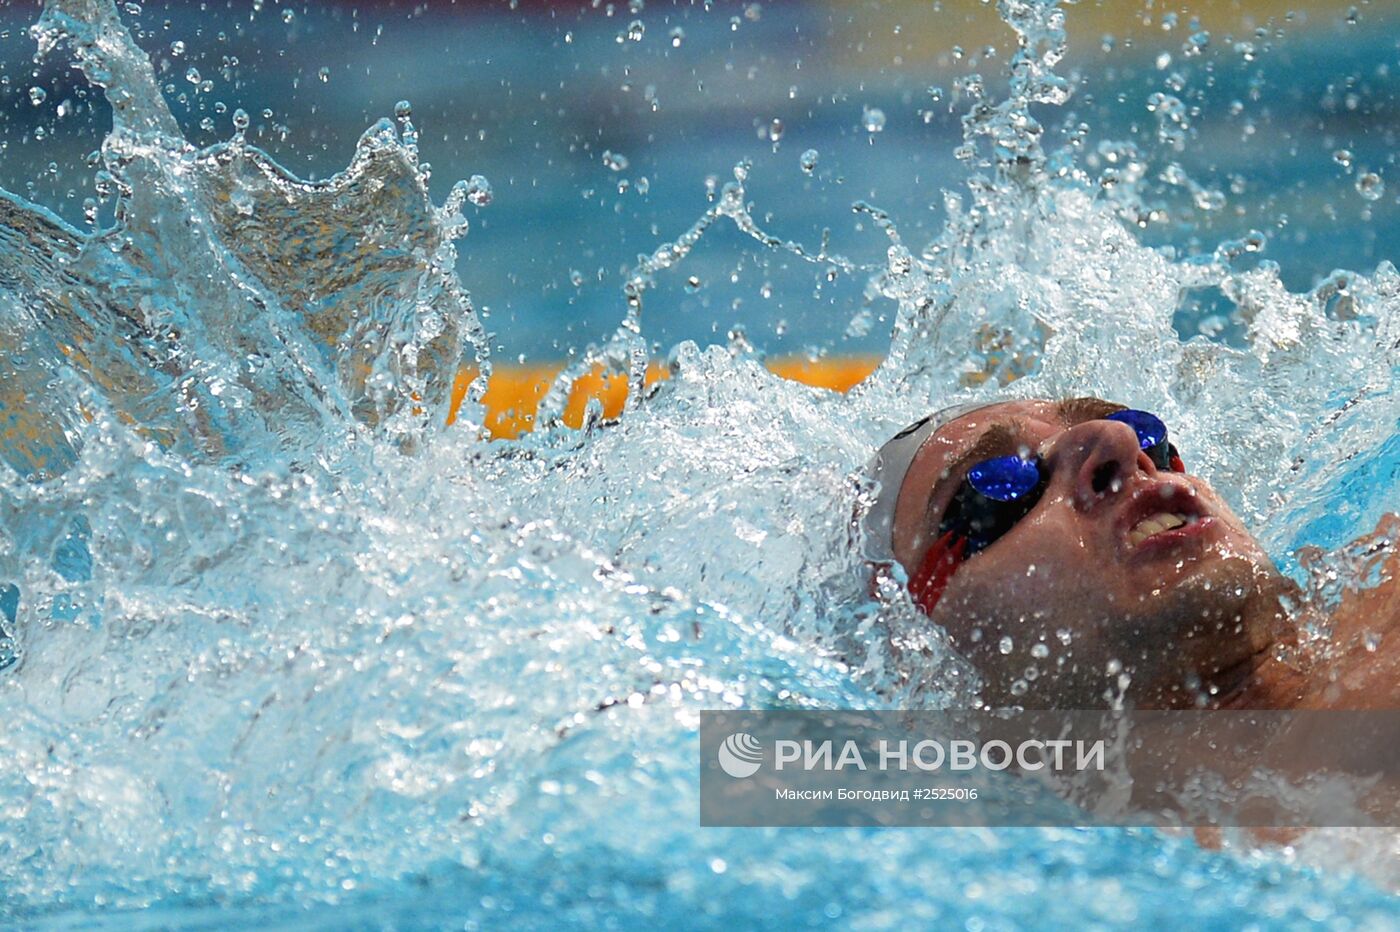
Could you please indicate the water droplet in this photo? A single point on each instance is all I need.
(775, 130)
(1370, 186)
(1208, 199)
(1004, 645)
(677, 37)
(873, 119)
(692, 284)
(860, 324)
(970, 86)
(479, 191)
(635, 30)
(1342, 157)
(901, 261)
(576, 278)
(616, 161)
(1193, 46)
(1040, 651)
(935, 93)
(289, 16)
(731, 199)
(325, 75)
(177, 48)
(240, 119)
(1172, 119)
(636, 6)
(808, 160)
(192, 76)
(403, 110)
(753, 12)
(37, 95)
(1212, 325)
(1064, 636)
(133, 8)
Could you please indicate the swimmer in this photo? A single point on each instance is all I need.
(1070, 539)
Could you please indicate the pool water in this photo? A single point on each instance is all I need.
(282, 648)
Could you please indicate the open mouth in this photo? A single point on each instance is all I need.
(1161, 514)
(1156, 524)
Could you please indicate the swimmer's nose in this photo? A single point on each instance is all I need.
(1100, 457)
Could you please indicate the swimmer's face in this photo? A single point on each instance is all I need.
(1073, 605)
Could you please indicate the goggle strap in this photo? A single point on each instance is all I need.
(936, 570)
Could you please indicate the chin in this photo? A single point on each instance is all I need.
(1205, 622)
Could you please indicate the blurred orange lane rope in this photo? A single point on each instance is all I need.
(514, 392)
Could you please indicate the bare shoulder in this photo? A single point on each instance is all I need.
(1372, 605)
(1362, 665)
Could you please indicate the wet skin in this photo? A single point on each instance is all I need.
(1069, 610)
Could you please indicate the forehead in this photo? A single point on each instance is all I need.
(960, 433)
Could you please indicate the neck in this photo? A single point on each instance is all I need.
(1273, 674)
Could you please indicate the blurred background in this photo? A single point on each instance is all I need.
(605, 128)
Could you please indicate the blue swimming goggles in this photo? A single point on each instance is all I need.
(998, 492)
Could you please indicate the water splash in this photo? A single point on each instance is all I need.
(234, 311)
(285, 639)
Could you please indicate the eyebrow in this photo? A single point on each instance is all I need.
(1077, 410)
(1002, 439)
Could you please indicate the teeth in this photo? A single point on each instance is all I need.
(1155, 524)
